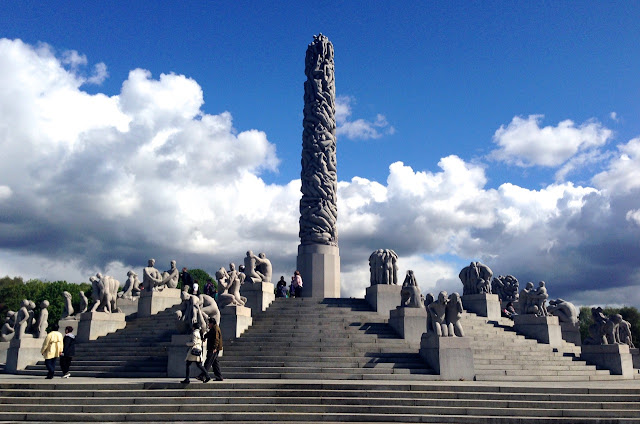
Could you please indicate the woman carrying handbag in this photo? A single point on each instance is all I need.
(195, 354)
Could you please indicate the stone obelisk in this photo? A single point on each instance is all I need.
(318, 254)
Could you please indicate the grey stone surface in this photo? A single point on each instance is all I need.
(319, 268)
(68, 322)
(67, 310)
(128, 306)
(152, 302)
(635, 355)
(571, 332)
(409, 323)
(565, 311)
(476, 279)
(613, 357)
(383, 297)
(485, 305)
(4, 348)
(451, 357)
(234, 321)
(545, 329)
(383, 267)
(410, 295)
(22, 353)
(96, 324)
(259, 295)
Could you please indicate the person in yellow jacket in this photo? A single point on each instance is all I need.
(51, 350)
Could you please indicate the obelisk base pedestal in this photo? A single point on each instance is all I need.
(319, 267)
(259, 296)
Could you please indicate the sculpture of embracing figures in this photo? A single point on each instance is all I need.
(444, 314)
(476, 279)
(105, 293)
(383, 267)
(229, 287)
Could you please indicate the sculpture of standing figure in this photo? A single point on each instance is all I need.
(31, 322)
(541, 297)
(22, 320)
(67, 311)
(625, 333)
(453, 315)
(170, 277)
(438, 311)
(84, 303)
(43, 320)
(410, 292)
(383, 266)
(209, 307)
(428, 300)
(189, 313)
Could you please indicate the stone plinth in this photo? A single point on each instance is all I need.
(22, 353)
(68, 322)
(409, 323)
(383, 297)
(177, 356)
(319, 267)
(484, 305)
(128, 306)
(571, 333)
(259, 295)
(234, 320)
(615, 358)
(4, 348)
(635, 356)
(543, 329)
(152, 302)
(97, 324)
(451, 357)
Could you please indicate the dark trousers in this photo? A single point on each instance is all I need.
(51, 366)
(212, 360)
(198, 364)
(65, 364)
(298, 291)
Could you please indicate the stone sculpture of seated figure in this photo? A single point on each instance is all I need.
(224, 284)
(565, 311)
(151, 277)
(410, 295)
(437, 312)
(251, 275)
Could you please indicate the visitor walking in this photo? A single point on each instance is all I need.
(195, 353)
(68, 351)
(296, 284)
(214, 346)
(281, 287)
(51, 350)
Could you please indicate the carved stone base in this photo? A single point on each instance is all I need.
(319, 267)
(635, 357)
(615, 358)
(451, 357)
(234, 320)
(543, 329)
(484, 305)
(97, 324)
(409, 323)
(383, 297)
(128, 306)
(4, 348)
(68, 322)
(22, 353)
(259, 296)
(150, 303)
(571, 333)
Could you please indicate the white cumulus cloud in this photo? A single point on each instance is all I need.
(360, 128)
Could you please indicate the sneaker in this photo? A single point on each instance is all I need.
(185, 381)
(67, 375)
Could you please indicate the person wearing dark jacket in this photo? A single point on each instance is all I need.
(187, 280)
(214, 346)
(68, 351)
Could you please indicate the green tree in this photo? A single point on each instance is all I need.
(201, 276)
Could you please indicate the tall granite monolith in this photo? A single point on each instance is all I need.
(318, 253)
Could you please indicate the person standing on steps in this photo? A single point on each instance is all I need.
(214, 346)
(68, 351)
(281, 287)
(51, 350)
(187, 280)
(296, 284)
(195, 354)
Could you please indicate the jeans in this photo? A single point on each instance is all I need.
(51, 366)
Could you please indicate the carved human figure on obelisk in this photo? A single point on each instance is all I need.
(318, 254)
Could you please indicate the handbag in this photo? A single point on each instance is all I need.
(196, 352)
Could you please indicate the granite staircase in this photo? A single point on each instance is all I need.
(502, 355)
(318, 401)
(338, 339)
(138, 350)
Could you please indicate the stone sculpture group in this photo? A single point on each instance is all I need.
(506, 287)
(383, 267)
(23, 323)
(608, 329)
(476, 279)
(443, 315)
(534, 301)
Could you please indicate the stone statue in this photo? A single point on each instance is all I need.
(22, 320)
(84, 303)
(453, 315)
(43, 320)
(437, 311)
(476, 279)
(228, 289)
(209, 307)
(170, 277)
(251, 276)
(131, 288)
(383, 266)
(533, 302)
(565, 311)
(597, 334)
(428, 300)
(506, 287)
(189, 313)
(625, 333)
(31, 322)
(8, 331)
(318, 205)
(151, 277)
(235, 281)
(105, 293)
(612, 329)
(67, 311)
(410, 293)
(263, 267)
(541, 297)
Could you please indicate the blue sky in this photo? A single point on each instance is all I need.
(417, 83)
